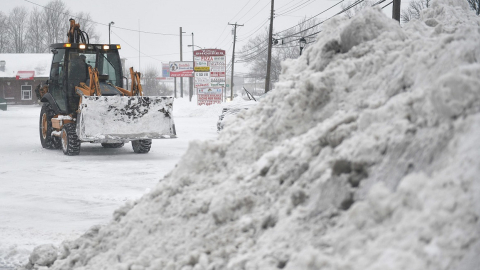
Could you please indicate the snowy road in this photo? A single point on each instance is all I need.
(47, 197)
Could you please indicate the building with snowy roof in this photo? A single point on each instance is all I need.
(20, 73)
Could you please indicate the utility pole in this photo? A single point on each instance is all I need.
(139, 48)
(269, 59)
(233, 56)
(181, 59)
(396, 10)
(190, 88)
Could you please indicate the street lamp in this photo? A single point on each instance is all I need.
(192, 47)
(303, 42)
(109, 24)
(195, 46)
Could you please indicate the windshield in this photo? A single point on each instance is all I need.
(107, 63)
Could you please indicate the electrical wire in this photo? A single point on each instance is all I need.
(387, 5)
(299, 6)
(257, 13)
(221, 34)
(242, 38)
(240, 10)
(249, 10)
(122, 28)
(251, 58)
(311, 17)
(342, 11)
(149, 56)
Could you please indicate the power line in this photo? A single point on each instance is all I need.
(249, 10)
(251, 57)
(149, 56)
(257, 12)
(312, 17)
(296, 7)
(254, 52)
(240, 10)
(221, 35)
(387, 5)
(345, 9)
(251, 34)
(122, 28)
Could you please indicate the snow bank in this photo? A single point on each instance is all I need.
(185, 108)
(366, 156)
(182, 107)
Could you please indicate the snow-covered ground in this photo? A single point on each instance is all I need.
(47, 197)
(365, 156)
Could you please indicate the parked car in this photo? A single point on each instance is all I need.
(235, 107)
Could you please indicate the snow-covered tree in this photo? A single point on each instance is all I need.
(475, 5)
(150, 83)
(17, 29)
(55, 16)
(4, 40)
(36, 33)
(285, 45)
(352, 7)
(413, 10)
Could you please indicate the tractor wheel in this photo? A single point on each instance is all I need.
(48, 141)
(113, 145)
(141, 146)
(70, 141)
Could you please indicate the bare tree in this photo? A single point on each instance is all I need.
(4, 40)
(87, 25)
(150, 83)
(354, 6)
(55, 16)
(413, 10)
(17, 28)
(286, 45)
(36, 33)
(475, 5)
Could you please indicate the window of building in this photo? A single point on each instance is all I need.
(26, 92)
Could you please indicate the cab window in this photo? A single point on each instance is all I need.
(109, 64)
(57, 79)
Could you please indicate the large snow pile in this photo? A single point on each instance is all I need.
(366, 156)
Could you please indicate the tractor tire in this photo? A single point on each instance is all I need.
(46, 139)
(113, 145)
(70, 141)
(141, 146)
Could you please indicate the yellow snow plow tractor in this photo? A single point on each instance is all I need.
(84, 100)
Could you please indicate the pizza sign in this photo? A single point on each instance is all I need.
(209, 68)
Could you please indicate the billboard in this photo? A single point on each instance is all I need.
(209, 72)
(165, 79)
(209, 52)
(209, 96)
(165, 70)
(181, 69)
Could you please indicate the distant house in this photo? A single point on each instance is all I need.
(20, 73)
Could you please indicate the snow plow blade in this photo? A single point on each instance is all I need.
(123, 118)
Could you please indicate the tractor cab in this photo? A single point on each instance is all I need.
(70, 67)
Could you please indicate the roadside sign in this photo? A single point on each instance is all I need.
(210, 75)
(201, 69)
(181, 69)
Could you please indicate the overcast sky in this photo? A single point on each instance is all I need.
(207, 19)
